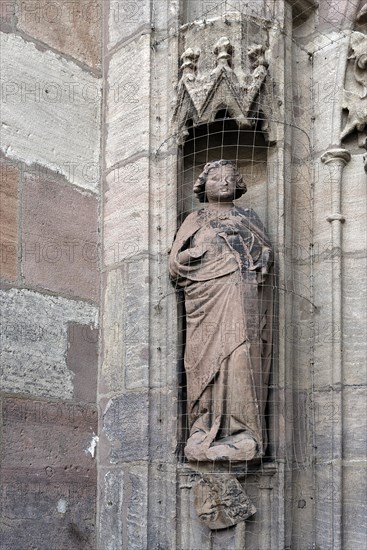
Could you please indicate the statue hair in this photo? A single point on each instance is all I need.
(199, 187)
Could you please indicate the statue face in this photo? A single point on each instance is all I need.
(221, 184)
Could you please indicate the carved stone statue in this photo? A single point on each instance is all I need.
(221, 257)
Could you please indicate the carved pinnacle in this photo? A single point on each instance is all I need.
(189, 61)
(223, 50)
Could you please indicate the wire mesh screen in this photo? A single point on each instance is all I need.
(247, 150)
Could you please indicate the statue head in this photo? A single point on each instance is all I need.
(199, 187)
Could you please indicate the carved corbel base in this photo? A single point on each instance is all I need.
(225, 495)
(221, 501)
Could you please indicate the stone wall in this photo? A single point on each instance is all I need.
(61, 137)
(50, 157)
(305, 491)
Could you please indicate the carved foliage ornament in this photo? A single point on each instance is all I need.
(221, 501)
(355, 96)
(201, 96)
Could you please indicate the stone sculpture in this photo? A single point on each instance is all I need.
(355, 96)
(239, 86)
(221, 257)
(221, 501)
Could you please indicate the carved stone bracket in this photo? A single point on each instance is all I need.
(221, 501)
(355, 97)
(223, 497)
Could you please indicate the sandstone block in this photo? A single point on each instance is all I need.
(34, 337)
(73, 28)
(128, 101)
(125, 425)
(327, 417)
(125, 349)
(48, 473)
(51, 112)
(127, 18)
(123, 508)
(9, 181)
(163, 421)
(82, 360)
(126, 222)
(60, 252)
(111, 374)
(355, 489)
(355, 422)
(136, 325)
(112, 491)
(355, 319)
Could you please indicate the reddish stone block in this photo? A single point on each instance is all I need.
(48, 475)
(82, 359)
(60, 236)
(72, 27)
(9, 180)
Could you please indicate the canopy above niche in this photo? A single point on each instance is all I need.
(226, 66)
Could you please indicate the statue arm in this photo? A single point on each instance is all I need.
(182, 253)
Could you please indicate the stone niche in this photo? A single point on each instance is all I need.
(225, 109)
(225, 102)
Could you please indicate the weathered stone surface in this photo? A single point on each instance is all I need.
(34, 342)
(355, 317)
(128, 18)
(354, 208)
(123, 508)
(163, 426)
(51, 112)
(125, 426)
(355, 423)
(9, 181)
(136, 325)
(128, 101)
(126, 226)
(136, 508)
(111, 372)
(355, 102)
(327, 414)
(354, 498)
(221, 502)
(82, 360)
(59, 252)
(162, 498)
(73, 28)
(326, 60)
(112, 493)
(126, 328)
(49, 476)
(206, 9)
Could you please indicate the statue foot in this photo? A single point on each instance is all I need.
(195, 449)
(199, 442)
(240, 448)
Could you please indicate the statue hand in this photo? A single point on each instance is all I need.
(262, 266)
(189, 254)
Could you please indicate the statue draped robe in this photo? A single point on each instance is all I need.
(217, 259)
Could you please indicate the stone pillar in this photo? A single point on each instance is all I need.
(336, 160)
(138, 377)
